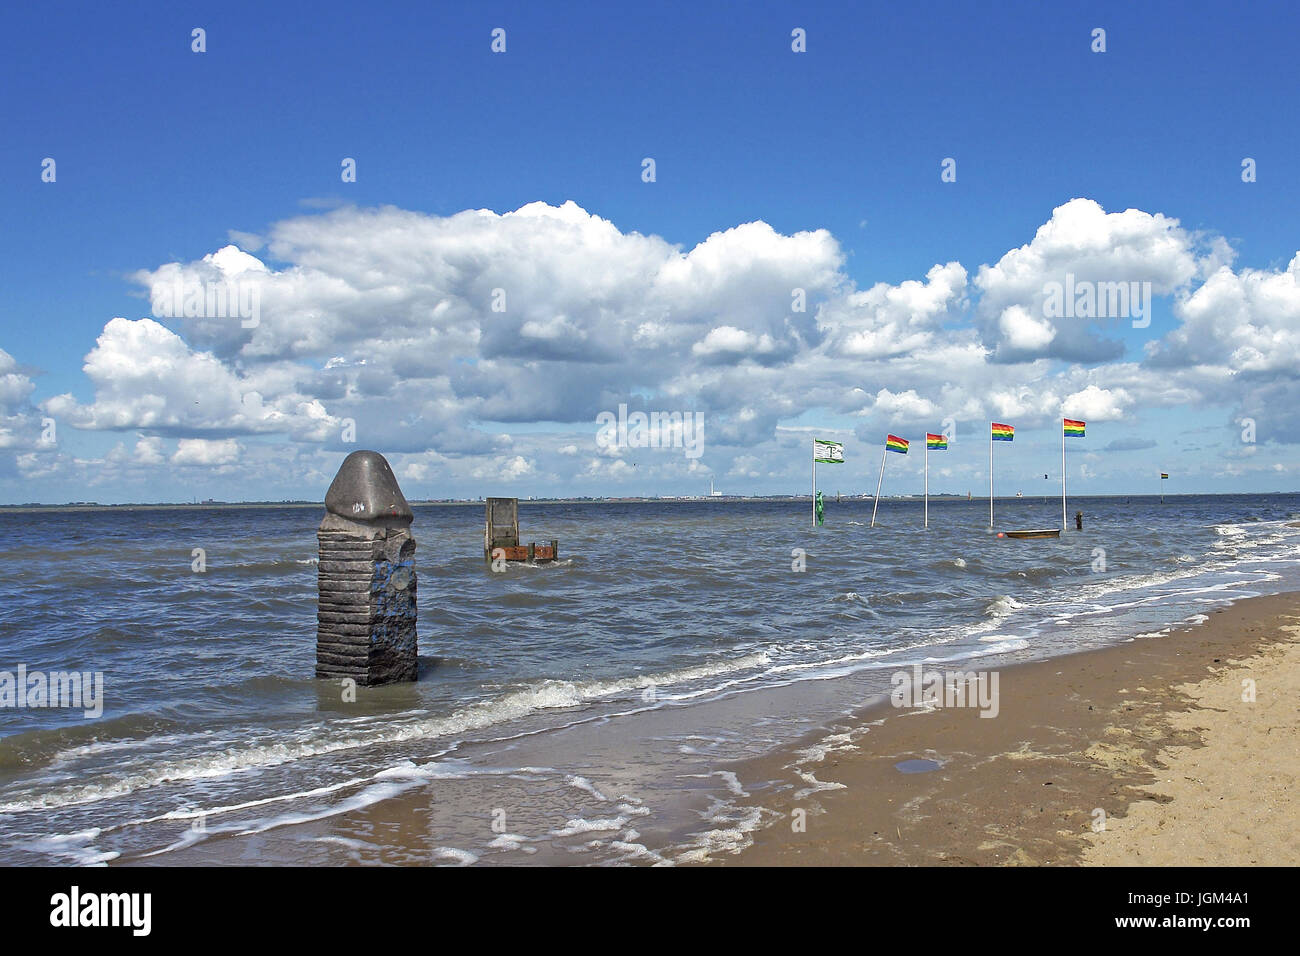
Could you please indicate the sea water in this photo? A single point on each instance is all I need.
(582, 711)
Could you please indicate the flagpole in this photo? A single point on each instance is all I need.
(990, 476)
(1062, 474)
(927, 480)
(814, 495)
(876, 503)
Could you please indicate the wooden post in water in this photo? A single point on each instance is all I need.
(501, 529)
(366, 577)
(1078, 521)
(501, 535)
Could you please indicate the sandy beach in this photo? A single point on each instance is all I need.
(1144, 753)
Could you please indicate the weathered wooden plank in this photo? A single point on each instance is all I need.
(515, 553)
(345, 617)
(360, 607)
(342, 654)
(343, 640)
(347, 557)
(348, 568)
(365, 553)
(331, 671)
(345, 582)
(343, 596)
(334, 627)
(340, 542)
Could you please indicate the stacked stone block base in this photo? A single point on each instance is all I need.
(367, 608)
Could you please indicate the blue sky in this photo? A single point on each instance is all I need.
(165, 156)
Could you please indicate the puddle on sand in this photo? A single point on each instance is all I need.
(917, 766)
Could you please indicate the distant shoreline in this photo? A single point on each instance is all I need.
(684, 500)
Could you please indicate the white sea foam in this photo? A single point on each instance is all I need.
(357, 845)
(431, 770)
(833, 743)
(733, 834)
(1002, 647)
(582, 783)
(579, 825)
(77, 847)
(322, 740)
(524, 566)
(459, 857)
(512, 841)
(375, 793)
(732, 782)
(201, 812)
(814, 785)
(728, 777)
(629, 850)
(1002, 606)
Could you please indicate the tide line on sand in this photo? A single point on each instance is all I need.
(1176, 749)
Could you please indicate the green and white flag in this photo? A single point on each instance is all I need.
(828, 452)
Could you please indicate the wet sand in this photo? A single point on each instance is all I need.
(1140, 754)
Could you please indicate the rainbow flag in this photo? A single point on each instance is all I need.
(894, 443)
(1003, 432)
(1073, 429)
(1164, 475)
(935, 441)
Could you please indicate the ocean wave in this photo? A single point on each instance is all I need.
(38, 748)
(1002, 647)
(1004, 605)
(320, 741)
(900, 598)
(78, 848)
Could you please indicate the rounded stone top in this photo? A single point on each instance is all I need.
(365, 489)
